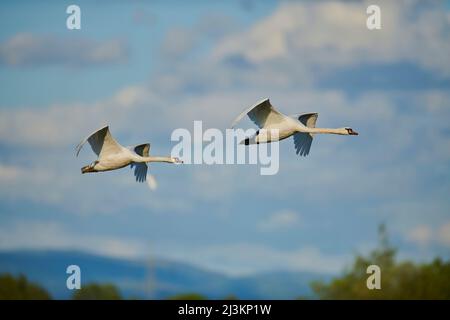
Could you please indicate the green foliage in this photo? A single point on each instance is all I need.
(399, 280)
(187, 296)
(19, 288)
(95, 291)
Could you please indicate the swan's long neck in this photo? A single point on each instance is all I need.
(155, 159)
(325, 130)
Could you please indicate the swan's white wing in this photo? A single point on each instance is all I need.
(101, 142)
(302, 142)
(308, 119)
(140, 171)
(263, 113)
(140, 168)
(142, 149)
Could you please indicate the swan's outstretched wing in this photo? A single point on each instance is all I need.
(142, 149)
(140, 171)
(308, 119)
(140, 168)
(303, 141)
(262, 114)
(101, 142)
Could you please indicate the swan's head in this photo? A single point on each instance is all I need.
(351, 132)
(177, 160)
(89, 168)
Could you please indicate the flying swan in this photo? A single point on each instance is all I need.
(112, 156)
(302, 126)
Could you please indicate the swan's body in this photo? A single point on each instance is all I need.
(302, 127)
(112, 156)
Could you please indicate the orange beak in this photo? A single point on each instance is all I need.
(87, 169)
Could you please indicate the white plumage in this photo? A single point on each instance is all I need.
(112, 156)
(302, 127)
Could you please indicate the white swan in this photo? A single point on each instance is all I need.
(302, 126)
(112, 156)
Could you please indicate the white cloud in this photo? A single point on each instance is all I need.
(63, 124)
(40, 184)
(179, 42)
(443, 234)
(26, 49)
(324, 33)
(280, 220)
(9, 173)
(246, 258)
(425, 235)
(422, 235)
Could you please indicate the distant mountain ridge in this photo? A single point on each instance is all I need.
(156, 279)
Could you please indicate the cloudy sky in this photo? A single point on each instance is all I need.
(147, 68)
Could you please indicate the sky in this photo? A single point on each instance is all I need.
(147, 68)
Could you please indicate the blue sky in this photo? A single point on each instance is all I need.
(147, 68)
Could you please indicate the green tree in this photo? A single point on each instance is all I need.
(187, 296)
(95, 291)
(399, 280)
(19, 288)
